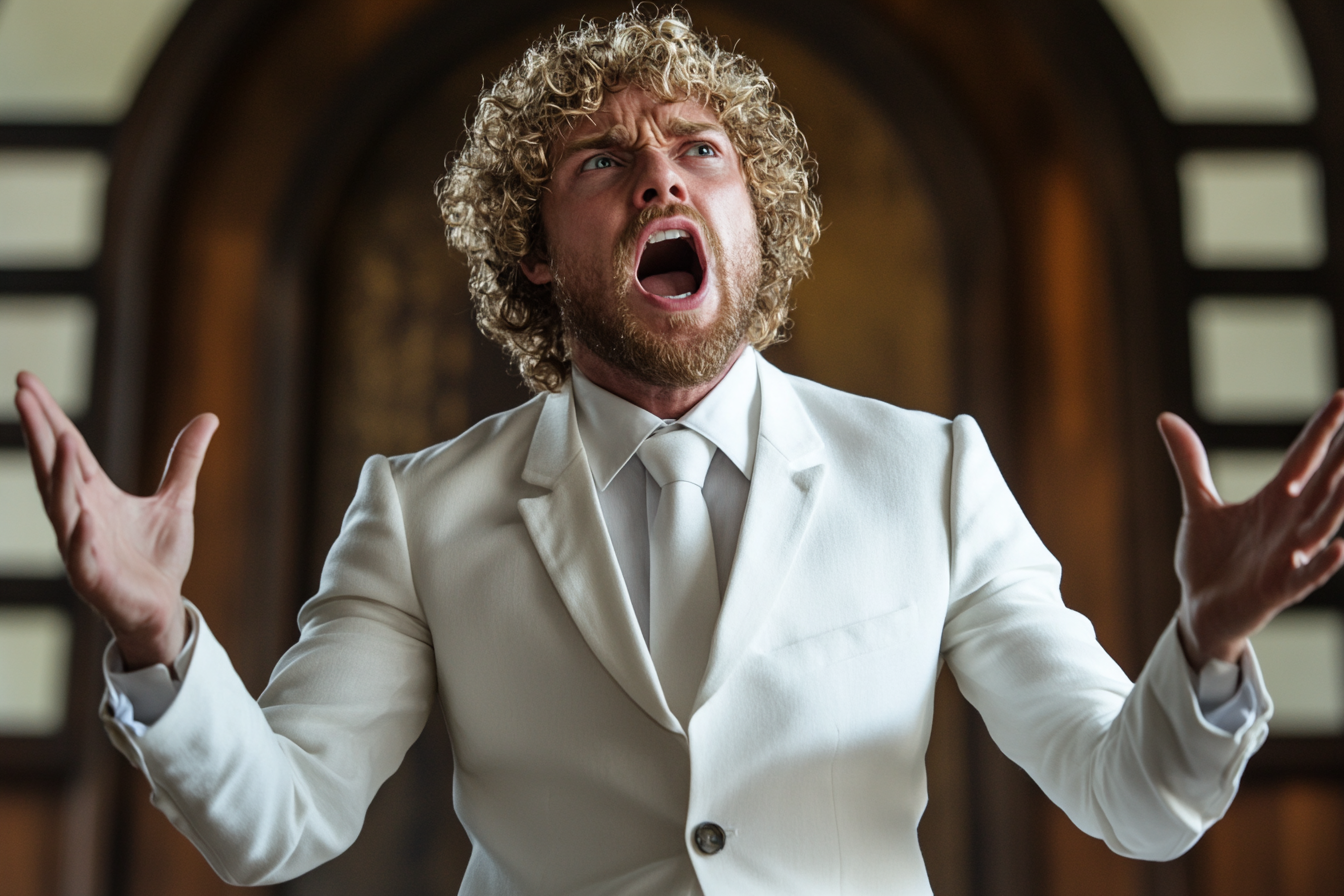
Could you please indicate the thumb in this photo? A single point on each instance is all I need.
(184, 461)
(1190, 460)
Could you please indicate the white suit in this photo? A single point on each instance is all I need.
(877, 543)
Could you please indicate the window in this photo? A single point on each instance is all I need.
(69, 70)
(1233, 78)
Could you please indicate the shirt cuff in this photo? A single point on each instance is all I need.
(1225, 694)
(139, 699)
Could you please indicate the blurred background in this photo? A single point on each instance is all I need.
(1062, 216)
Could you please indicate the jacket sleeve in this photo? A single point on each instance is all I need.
(268, 789)
(1134, 764)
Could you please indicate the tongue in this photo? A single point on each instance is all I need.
(673, 283)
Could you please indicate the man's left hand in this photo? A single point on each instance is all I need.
(1241, 564)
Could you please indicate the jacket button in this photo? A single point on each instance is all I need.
(709, 838)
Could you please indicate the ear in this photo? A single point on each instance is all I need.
(536, 268)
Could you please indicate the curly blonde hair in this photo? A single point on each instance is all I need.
(490, 197)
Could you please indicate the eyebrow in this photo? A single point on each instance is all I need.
(619, 135)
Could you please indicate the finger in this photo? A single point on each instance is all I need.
(1320, 496)
(1323, 499)
(1325, 522)
(184, 461)
(37, 433)
(81, 563)
(64, 506)
(1309, 448)
(56, 418)
(50, 424)
(1318, 570)
(1190, 460)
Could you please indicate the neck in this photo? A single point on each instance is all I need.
(665, 402)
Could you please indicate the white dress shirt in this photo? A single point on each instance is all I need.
(611, 430)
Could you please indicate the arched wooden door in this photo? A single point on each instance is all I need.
(400, 365)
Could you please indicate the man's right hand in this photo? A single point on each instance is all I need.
(126, 556)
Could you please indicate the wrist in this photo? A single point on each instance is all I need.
(155, 641)
(1200, 650)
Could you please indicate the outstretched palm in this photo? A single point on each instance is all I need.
(1241, 564)
(125, 555)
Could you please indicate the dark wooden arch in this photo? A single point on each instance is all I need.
(430, 46)
(148, 156)
(872, 54)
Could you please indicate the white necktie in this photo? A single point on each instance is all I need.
(683, 577)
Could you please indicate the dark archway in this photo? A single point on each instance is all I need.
(914, 243)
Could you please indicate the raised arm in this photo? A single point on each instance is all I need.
(1242, 564)
(125, 555)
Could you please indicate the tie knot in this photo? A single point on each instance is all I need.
(677, 455)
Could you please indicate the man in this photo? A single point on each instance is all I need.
(684, 613)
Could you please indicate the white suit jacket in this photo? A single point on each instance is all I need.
(877, 544)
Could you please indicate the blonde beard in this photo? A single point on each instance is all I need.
(689, 354)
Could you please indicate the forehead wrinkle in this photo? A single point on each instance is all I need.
(685, 127)
(616, 135)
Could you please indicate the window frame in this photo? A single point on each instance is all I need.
(1321, 30)
(56, 754)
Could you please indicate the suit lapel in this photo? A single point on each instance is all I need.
(785, 484)
(567, 529)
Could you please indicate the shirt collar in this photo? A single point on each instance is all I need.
(612, 429)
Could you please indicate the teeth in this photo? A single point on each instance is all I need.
(668, 235)
(685, 295)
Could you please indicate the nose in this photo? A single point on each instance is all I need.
(658, 181)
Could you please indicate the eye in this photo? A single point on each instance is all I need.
(598, 162)
(701, 150)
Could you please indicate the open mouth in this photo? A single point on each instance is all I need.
(670, 266)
